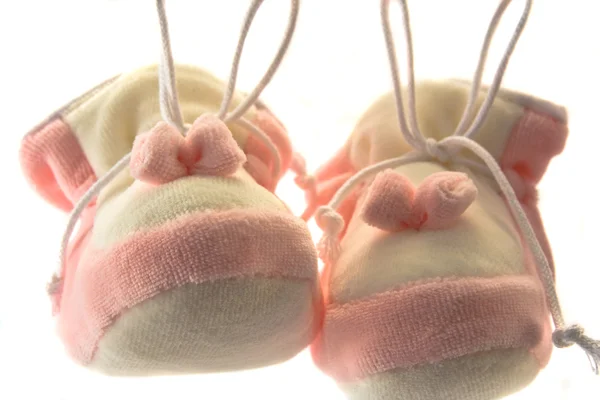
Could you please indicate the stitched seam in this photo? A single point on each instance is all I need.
(411, 285)
(416, 365)
(286, 214)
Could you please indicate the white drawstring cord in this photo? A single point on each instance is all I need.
(496, 83)
(167, 85)
(170, 112)
(447, 150)
(283, 47)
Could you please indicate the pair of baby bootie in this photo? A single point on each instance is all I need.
(438, 276)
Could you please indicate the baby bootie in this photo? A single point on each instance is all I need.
(438, 278)
(185, 261)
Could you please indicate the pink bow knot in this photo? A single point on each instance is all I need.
(164, 155)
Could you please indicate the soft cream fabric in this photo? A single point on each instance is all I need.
(488, 375)
(379, 357)
(199, 274)
(142, 206)
(147, 339)
(440, 105)
(526, 100)
(439, 109)
(107, 119)
(482, 243)
(107, 123)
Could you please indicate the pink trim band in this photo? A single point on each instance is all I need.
(431, 321)
(54, 163)
(260, 156)
(193, 249)
(533, 142)
(535, 139)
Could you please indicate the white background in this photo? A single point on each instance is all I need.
(53, 50)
